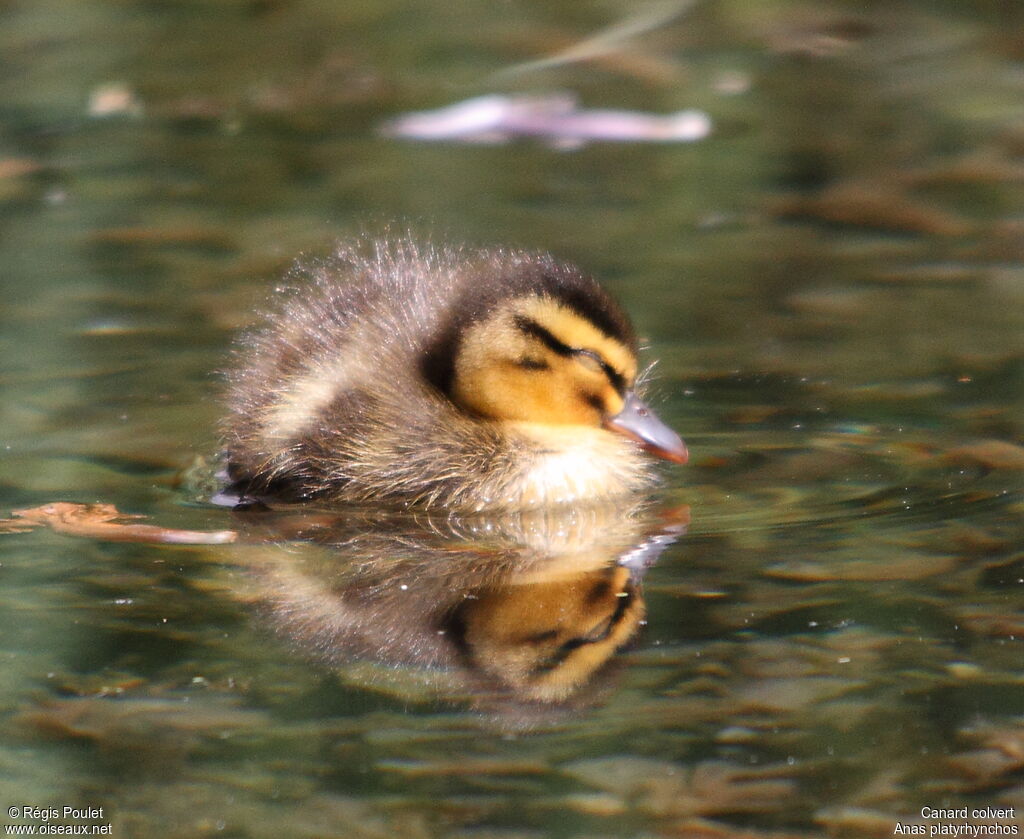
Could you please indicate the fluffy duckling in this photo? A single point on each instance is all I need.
(490, 380)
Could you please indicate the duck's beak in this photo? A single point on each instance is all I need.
(638, 422)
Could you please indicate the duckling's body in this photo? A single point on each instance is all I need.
(484, 380)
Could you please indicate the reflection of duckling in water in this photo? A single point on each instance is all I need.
(545, 638)
(529, 608)
(484, 380)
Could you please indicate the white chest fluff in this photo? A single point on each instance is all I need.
(577, 464)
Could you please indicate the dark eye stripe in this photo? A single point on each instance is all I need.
(531, 327)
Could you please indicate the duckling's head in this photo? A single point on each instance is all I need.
(539, 342)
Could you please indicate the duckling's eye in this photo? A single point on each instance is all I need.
(533, 364)
(591, 360)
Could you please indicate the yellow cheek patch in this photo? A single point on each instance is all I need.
(505, 390)
(579, 333)
(504, 372)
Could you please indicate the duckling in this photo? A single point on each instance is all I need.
(441, 377)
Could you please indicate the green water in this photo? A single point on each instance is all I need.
(833, 284)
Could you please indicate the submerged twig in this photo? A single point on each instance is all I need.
(97, 521)
(605, 41)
